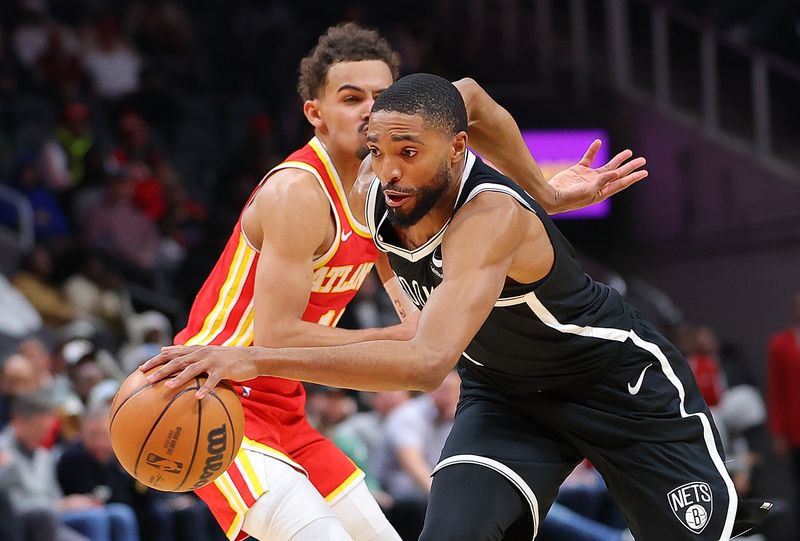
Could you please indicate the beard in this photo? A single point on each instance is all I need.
(427, 197)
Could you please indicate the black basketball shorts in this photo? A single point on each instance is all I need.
(642, 423)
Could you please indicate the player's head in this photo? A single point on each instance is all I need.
(417, 138)
(339, 81)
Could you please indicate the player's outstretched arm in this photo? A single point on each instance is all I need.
(290, 220)
(481, 245)
(494, 134)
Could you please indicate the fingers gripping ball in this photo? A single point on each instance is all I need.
(168, 439)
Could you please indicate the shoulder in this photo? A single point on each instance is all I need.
(291, 189)
(493, 210)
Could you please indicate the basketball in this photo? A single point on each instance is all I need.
(169, 440)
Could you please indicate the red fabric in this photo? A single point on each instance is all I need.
(222, 314)
(783, 380)
(709, 378)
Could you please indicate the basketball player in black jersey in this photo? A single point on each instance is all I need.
(555, 367)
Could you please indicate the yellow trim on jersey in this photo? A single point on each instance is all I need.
(250, 474)
(347, 483)
(216, 320)
(360, 229)
(259, 447)
(328, 255)
(243, 335)
(235, 501)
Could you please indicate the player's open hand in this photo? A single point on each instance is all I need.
(581, 185)
(217, 362)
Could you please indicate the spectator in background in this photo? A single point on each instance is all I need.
(17, 377)
(18, 318)
(705, 364)
(27, 473)
(59, 66)
(416, 431)
(66, 404)
(49, 220)
(783, 392)
(35, 281)
(326, 407)
(363, 438)
(111, 63)
(70, 158)
(30, 37)
(117, 228)
(98, 294)
(148, 333)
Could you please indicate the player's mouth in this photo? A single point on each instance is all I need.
(395, 199)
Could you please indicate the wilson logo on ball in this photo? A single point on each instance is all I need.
(217, 444)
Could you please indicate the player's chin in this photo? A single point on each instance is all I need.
(362, 152)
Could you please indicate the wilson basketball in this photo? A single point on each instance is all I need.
(169, 440)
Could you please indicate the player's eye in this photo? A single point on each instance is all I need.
(374, 152)
(409, 152)
(350, 99)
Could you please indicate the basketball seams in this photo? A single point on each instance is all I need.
(134, 393)
(196, 435)
(155, 425)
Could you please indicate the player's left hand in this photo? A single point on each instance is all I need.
(581, 185)
(219, 363)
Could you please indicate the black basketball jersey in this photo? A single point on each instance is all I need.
(564, 327)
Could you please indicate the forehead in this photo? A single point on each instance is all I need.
(388, 123)
(368, 75)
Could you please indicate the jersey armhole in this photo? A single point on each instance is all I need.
(320, 260)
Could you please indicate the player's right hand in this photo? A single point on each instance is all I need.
(217, 362)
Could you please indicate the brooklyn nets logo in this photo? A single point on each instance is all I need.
(692, 504)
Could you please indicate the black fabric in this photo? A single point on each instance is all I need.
(473, 502)
(517, 350)
(642, 443)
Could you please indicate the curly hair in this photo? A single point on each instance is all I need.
(346, 42)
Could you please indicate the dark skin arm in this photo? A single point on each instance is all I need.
(494, 134)
(490, 239)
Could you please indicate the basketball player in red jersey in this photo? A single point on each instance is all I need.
(293, 262)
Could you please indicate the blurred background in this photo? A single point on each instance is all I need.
(132, 132)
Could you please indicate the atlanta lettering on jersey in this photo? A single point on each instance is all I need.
(340, 279)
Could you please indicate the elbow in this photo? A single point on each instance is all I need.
(434, 368)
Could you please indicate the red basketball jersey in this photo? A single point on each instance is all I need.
(222, 313)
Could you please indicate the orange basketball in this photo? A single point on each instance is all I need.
(169, 440)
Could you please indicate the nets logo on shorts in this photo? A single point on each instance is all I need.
(692, 504)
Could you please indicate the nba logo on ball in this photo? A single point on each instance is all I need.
(692, 504)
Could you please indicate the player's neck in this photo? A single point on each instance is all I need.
(346, 164)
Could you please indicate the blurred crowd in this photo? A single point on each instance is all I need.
(131, 133)
(773, 26)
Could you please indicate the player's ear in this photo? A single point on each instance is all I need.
(459, 147)
(311, 110)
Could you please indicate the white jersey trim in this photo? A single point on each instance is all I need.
(503, 470)
(305, 167)
(619, 335)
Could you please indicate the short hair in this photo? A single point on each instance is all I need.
(432, 97)
(346, 42)
(32, 403)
